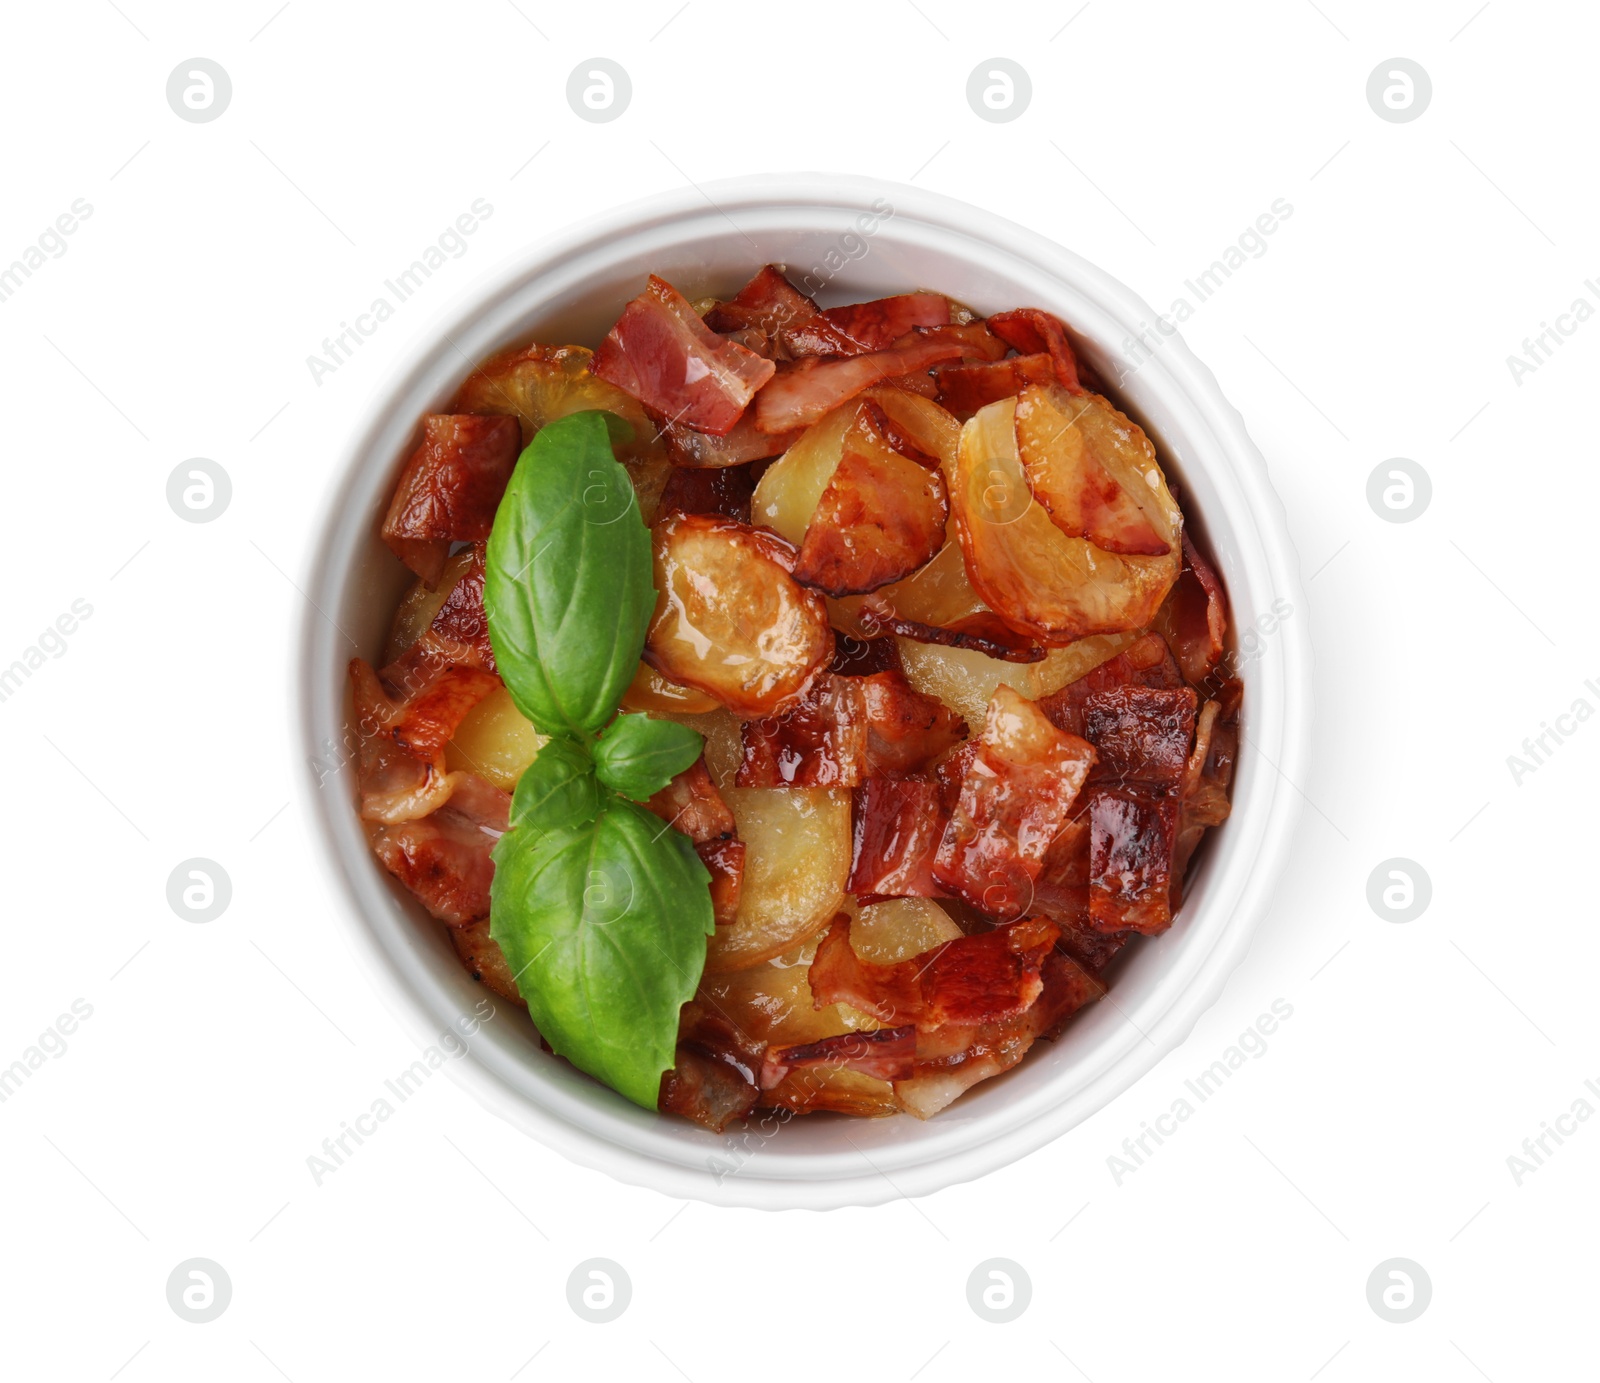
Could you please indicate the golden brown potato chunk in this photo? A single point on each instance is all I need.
(730, 621)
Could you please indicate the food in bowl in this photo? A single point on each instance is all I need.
(795, 709)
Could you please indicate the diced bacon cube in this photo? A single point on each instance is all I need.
(1132, 832)
(1017, 794)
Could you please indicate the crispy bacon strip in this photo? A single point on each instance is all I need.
(428, 721)
(1132, 835)
(864, 327)
(880, 518)
(1204, 801)
(983, 631)
(450, 488)
(855, 657)
(906, 729)
(725, 491)
(713, 1078)
(820, 741)
(977, 342)
(1146, 663)
(1141, 734)
(953, 1060)
(392, 785)
(444, 858)
(457, 637)
(898, 823)
(1016, 795)
(691, 803)
(1194, 616)
(973, 979)
(1030, 331)
(743, 442)
(669, 360)
(768, 303)
(965, 386)
(800, 395)
(884, 1053)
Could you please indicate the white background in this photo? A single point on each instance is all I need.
(1379, 1121)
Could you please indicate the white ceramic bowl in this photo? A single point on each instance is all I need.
(570, 288)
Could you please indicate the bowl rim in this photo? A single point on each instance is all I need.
(1186, 378)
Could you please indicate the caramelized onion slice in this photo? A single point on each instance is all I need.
(1062, 439)
(538, 384)
(1037, 579)
(730, 621)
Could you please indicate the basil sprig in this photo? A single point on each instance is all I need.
(601, 908)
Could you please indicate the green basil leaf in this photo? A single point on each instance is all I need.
(604, 926)
(638, 756)
(557, 789)
(567, 582)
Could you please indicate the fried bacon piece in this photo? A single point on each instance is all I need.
(854, 657)
(1194, 616)
(450, 488)
(458, 636)
(768, 304)
(977, 342)
(1204, 801)
(725, 491)
(392, 785)
(713, 1078)
(974, 979)
(1061, 437)
(844, 729)
(965, 386)
(800, 395)
(898, 823)
(485, 961)
(820, 741)
(864, 327)
(1017, 793)
(906, 729)
(1029, 331)
(883, 1053)
(691, 803)
(743, 442)
(1141, 734)
(428, 721)
(880, 518)
(1132, 835)
(444, 858)
(730, 621)
(1145, 663)
(669, 360)
(954, 1059)
(983, 631)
